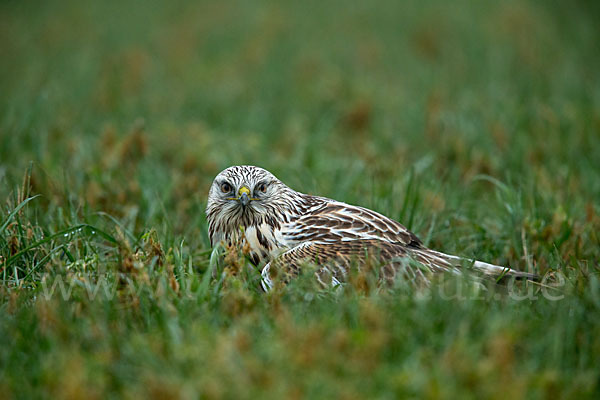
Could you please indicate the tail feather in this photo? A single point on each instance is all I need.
(485, 268)
(500, 272)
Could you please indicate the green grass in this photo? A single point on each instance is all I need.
(476, 124)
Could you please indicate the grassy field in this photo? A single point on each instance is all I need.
(476, 124)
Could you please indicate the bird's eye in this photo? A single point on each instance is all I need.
(225, 187)
(262, 187)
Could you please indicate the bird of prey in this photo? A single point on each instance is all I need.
(282, 230)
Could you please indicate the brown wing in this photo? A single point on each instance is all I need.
(337, 236)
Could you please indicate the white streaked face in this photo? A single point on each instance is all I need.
(242, 196)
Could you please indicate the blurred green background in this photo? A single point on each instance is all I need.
(474, 123)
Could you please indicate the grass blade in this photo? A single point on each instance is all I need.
(64, 233)
(15, 211)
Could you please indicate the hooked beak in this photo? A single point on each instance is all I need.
(244, 199)
(243, 196)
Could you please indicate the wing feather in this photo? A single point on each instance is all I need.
(334, 221)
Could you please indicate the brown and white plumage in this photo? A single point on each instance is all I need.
(284, 229)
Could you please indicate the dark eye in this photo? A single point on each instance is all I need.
(225, 187)
(262, 187)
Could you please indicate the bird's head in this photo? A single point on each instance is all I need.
(243, 196)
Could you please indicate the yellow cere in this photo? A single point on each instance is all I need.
(243, 190)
